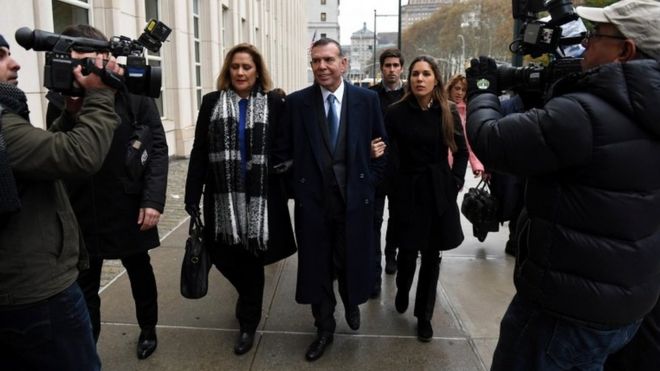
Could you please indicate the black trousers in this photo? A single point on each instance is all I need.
(379, 208)
(427, 282)
(335, 219)
(245, 272)
(390, 244)
(143, 287)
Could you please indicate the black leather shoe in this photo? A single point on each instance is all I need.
(390, 265)
(424, 330)
(353, 317)
(244, 342)
(401, 301)
(147, 342)
(317, 347)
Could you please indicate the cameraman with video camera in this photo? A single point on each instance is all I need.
(588, 263)
(118, 211)
(44, 323)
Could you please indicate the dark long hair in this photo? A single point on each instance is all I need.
(263, 79)
(439, 95)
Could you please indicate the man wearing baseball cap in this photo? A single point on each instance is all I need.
(638, 21)
(588, 265)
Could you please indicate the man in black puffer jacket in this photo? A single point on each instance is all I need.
(588, 268)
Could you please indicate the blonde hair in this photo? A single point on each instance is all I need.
(455, 80)
(263, 76)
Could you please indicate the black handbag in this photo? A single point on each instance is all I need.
(480, 207)
(196, 262)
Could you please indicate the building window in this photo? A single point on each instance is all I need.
(323, 16)
(197, 44)
(225, 27)
(323, 35)
(322, 2)
(152, 11)
(69, 12)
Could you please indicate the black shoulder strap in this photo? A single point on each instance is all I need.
(132, 107)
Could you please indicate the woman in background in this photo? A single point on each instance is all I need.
(233, 162)
(422, 128)
(456, 91)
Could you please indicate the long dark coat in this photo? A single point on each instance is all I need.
(424, 188)
(364, 122)
(281, 243)
(107, 204)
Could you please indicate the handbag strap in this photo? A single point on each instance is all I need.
(195, 222)
(481, 181)
(483, 184)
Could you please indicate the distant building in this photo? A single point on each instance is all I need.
(322, 21)
(362, 45)
(387, 39)
(419, 10)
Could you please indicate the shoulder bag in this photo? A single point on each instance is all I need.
(196, 262)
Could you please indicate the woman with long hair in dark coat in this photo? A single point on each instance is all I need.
(422, 126)
(233, 161)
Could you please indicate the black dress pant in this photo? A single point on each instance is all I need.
(245, 272)
(335, 219)
(391, 243)
(143, 287)
(427, 282)
(379, 209)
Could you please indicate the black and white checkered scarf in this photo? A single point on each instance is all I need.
(12, 99)
(241, 205)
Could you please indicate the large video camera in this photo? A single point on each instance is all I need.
(139, 78)
(537, 38)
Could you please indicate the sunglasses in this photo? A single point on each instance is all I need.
(589, 35)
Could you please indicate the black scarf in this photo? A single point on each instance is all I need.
(241, 205)
(12, 99)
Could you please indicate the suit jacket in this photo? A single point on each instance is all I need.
(306, 143)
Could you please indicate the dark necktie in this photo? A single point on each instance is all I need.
(333, 122)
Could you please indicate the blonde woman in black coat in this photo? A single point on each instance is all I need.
(235, 162)
(422, 127)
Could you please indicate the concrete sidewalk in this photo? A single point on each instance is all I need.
(475, 288)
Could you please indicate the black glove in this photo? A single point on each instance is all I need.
(482, 77)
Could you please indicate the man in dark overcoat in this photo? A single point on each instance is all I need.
(330, 126)
(118, 211)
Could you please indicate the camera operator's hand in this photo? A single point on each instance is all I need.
(93, 81)
(481, 76)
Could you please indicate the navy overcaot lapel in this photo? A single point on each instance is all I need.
(311, 117)
(354, 120)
